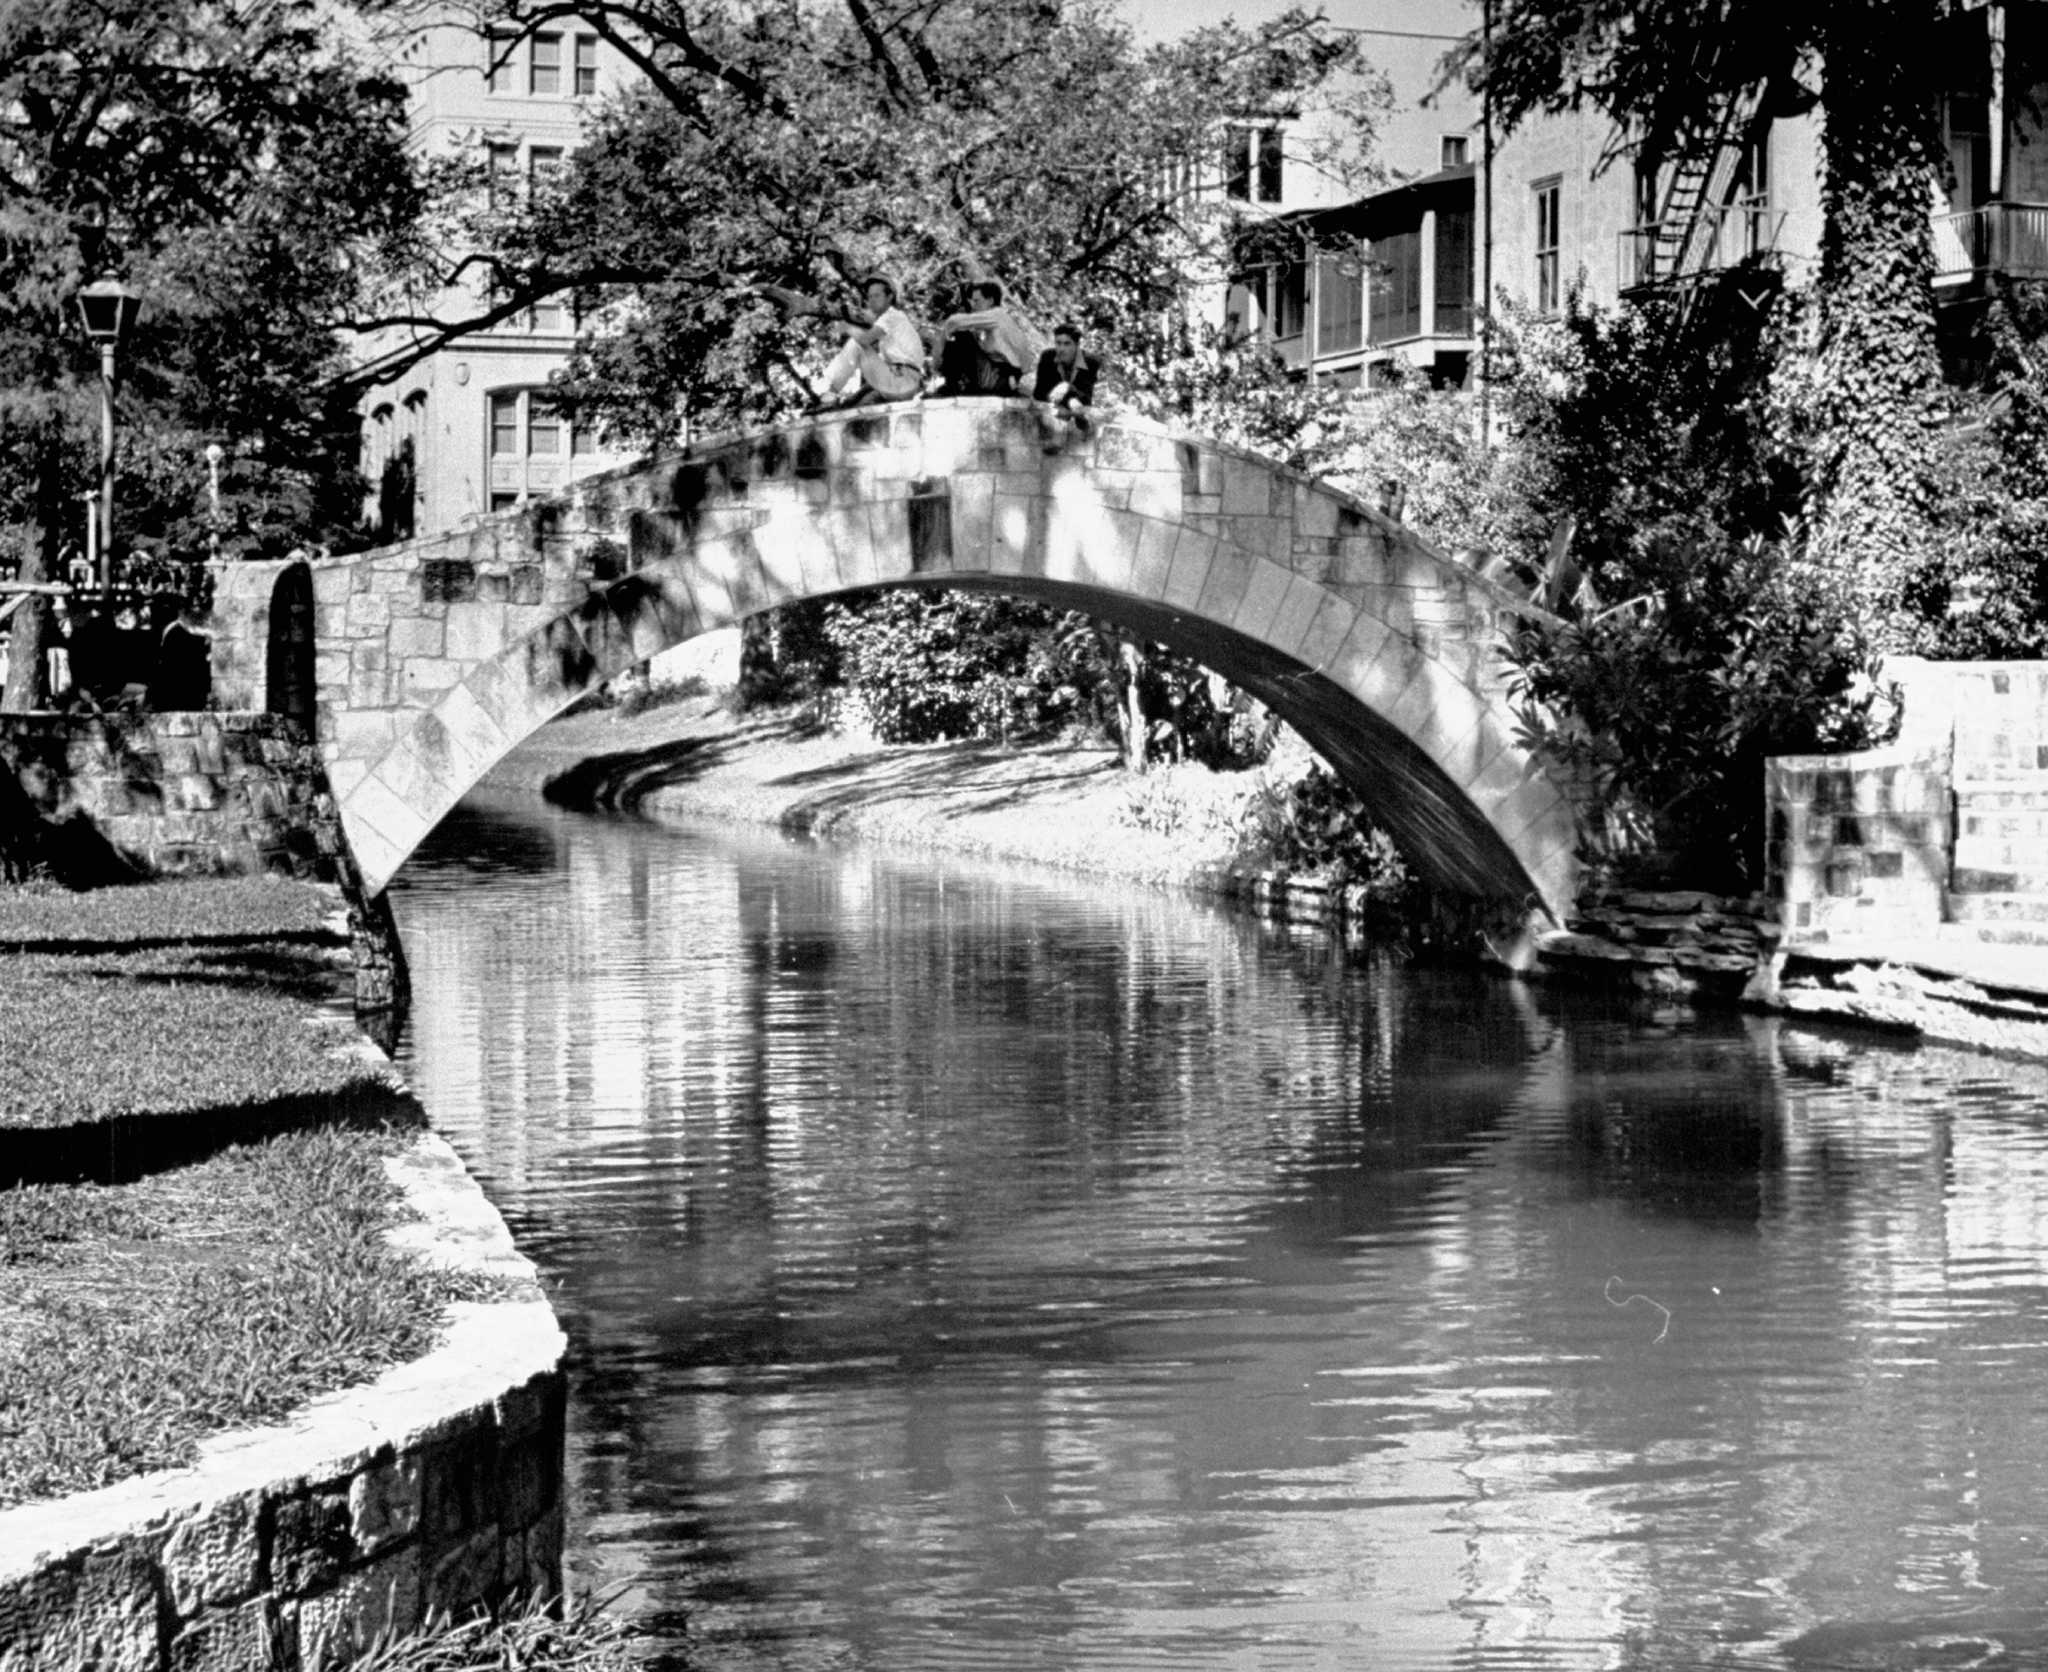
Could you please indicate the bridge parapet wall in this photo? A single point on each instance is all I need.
(437, 656)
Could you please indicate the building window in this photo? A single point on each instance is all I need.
(504, 174)
(1457, 151)
(543, 429)
(1753, 199)
(526, 426)
(1254, 164)
(1290, 300)
(501, 61)
(1453, 272)
(544, 74)
(543, 163)
(505, 426)
(1397, 287)
(1549, 293)
(1340, 302)
(586, 66)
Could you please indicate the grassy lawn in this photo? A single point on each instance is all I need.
(163, 998)
(136, 1318)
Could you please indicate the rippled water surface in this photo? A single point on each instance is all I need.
(967, 1269)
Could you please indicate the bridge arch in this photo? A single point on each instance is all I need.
(435, 658)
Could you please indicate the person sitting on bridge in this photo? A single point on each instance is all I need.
(985, 349)
(1066, 375)
(883, 354)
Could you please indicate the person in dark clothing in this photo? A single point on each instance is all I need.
(1066, 375)
(183, 676)
(984, 349)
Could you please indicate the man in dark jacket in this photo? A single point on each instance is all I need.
(1066, 375)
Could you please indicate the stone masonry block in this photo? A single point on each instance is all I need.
(310, 1540)
(342, 1621)
(475, 631)
(1019, 535)
(1247, 488)
(1291, 620)
(1327, 631)
(226, 1640)
(1266, 586)
(467, 1575)
(1193, 555)
(384, 1503)
(422, 635)
(1223, 594)
(99, 1613)
(1148, 547)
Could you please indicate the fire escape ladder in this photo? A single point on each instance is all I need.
(1703, 186)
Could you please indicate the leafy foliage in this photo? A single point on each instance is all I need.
(1314, 825)
(802, 145)
(925, 666)
(143, 1317)
(1983, 592)
(243, 174)
(1666, 706)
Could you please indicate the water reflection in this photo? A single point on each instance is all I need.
(980, 1270)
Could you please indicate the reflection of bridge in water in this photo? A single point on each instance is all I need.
(427, 662)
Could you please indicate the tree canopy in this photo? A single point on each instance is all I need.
(234, 165)
(797, 140)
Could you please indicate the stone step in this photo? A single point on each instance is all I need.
(2021, 858)
(2017, 880)
(2000, 934)
(1996, 795)
(2003, 826)
(2001, 910)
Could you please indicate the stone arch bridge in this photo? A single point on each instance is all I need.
(421, 664)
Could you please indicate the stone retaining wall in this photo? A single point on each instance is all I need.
(1947, 826)
(431, 1491)
(110, 797)
(197, 794)
(1859, 843)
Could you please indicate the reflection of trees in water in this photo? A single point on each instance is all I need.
(881, 1193)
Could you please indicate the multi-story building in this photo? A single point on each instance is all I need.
(1340, 285)
(1566, 204)
(470, 429)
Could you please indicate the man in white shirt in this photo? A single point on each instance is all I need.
(882, 358)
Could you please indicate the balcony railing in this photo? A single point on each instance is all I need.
(1721, 238)
(2010, 238)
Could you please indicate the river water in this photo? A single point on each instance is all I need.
(967, 1268)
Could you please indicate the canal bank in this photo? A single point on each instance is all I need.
(1073, 808)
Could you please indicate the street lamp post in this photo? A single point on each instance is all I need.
(214, 454)
(109, 309)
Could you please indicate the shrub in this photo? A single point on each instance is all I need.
(925, 666)
(1314, 825)
(1664, 706)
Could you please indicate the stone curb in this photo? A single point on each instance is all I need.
(430, 1491)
